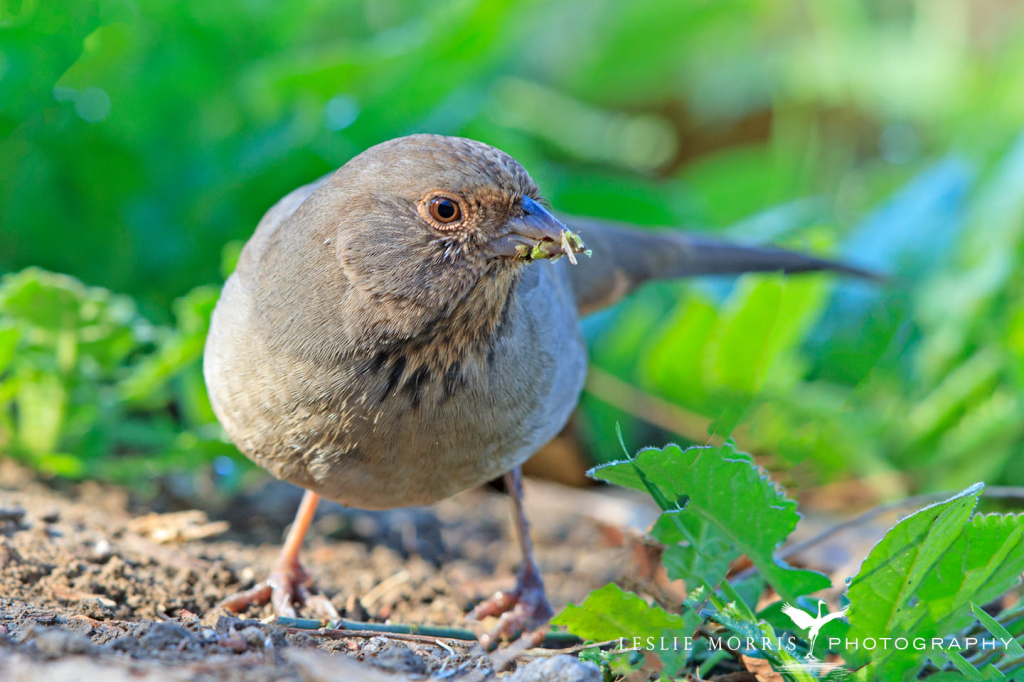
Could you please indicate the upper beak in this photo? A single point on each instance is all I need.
(536, 225)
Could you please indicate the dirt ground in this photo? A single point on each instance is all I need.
(96, 585)
(92, 588)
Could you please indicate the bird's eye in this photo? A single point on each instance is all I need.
(444, 210)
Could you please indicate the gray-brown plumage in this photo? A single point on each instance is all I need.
(383, 344)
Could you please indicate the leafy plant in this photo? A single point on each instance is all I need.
(919, 587)
(88, 387)
(911, 386)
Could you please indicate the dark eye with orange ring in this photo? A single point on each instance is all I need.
(444, 210)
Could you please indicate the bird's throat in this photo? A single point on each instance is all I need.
(453, 345)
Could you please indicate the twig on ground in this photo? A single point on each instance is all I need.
(428, 633)
(385, 586)
(366, 634)
(547, 653)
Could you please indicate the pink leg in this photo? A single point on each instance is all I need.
(526, 607)
(288, 582)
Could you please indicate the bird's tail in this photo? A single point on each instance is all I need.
(625, 258)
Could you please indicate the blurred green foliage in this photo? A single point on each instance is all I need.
(83, 378)
(137, 137)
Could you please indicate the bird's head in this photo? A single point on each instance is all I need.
(427, 219)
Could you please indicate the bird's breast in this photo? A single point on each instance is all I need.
(387, 428)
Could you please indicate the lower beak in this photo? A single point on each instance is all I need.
(536, 225)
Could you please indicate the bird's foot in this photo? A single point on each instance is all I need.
(287, 585)
(524, 609)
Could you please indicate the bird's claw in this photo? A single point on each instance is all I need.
(288, 584)
(522, 610)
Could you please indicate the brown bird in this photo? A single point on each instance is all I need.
(393, 334)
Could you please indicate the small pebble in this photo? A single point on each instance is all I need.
(167, 634)
(101, 552)
(59, 643)
(561, 668)
(11, 514)
(398, 658)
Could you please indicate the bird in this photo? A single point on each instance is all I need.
(813, 625)
(407, 327)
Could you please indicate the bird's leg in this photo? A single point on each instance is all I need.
(288, 582)
(526, 607)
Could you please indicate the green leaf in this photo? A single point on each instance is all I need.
(997, 630)
(41, 400)
(675, 364)
(966, 385)
(59, 464)
(177, 353)
(965, 667)
(882, 592)
(986, 560)
(759, 635)
(705, 556)
(42, 299)
(921, 579)
(8, 343)
(610, 613)
(766, 317)
(733, 597)
(733, 496)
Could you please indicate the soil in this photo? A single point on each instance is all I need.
(94, 587)
(98, 585)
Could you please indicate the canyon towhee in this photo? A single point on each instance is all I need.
(398, 332)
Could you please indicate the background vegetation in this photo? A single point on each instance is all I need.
(141, 140)
(139, 137)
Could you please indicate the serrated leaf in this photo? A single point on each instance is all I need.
(921, 579)
(610, 613)
(726, 490)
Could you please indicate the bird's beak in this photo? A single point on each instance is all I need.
(535, 226)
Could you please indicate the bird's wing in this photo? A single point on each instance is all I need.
(624, 258)
(801, 619)
(834, 616)
(275, 216)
